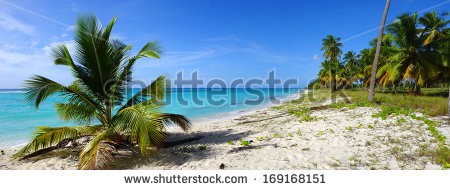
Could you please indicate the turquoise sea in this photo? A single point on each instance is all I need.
(18, 119)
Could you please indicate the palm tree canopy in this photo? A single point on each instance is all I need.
(102, 68)
(331, 47)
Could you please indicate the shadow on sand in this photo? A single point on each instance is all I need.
(183, 147)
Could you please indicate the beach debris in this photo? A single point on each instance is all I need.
(222, 166)
(3, 152)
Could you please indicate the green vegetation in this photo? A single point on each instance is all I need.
(429, 105)
(262, 138)
(320, 133)
(230, 142)
(245, 143)
(302, 112)
(102, 68)
(414, 54)
(401, 121)
(277, 135)
(392, 110)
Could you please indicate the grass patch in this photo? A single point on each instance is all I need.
(276, 135)
(302, 112)
(320, 133)
(427, 104)
(392, 110)
(245, 143)
(262, 138)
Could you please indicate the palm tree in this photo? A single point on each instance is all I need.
(332, 51)
(417, 61)
(101, 68)
(435, 26)
(377, 53)
(389, 74)
(351, 61)
(325, 74)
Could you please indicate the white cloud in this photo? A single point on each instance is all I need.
(9, 23)
(316, 57)
(17, 66)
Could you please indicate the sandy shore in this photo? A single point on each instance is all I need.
(339, 139)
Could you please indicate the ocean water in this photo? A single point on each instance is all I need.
(18, 119)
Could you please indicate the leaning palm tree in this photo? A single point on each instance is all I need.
(377, 53)
(332, 52)
(95, 100)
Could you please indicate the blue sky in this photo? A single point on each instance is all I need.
(224, 39)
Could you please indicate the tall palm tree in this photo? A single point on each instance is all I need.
(332, 52)
(325, 74)
(365, 65)
(418, 62)
(377, 53)
(101, 68)
(351, 61)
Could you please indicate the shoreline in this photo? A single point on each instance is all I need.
(338, 139)
(218, 116)
(236, 113)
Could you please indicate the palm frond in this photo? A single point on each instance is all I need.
(98, 152)
(39, 88)
(155, 92)
(50, 136)
(179, 120)
(145, 126)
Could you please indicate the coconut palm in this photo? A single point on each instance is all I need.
(417, 62)
(326, 74)
(434, 26)
(377, 52)
(102, 68)
(351, 61)
(332, 51)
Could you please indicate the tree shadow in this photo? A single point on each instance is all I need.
(179, 153)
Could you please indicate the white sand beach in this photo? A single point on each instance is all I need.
(339, 139)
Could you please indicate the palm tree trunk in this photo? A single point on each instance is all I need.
(377, 53)
(417, 91)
